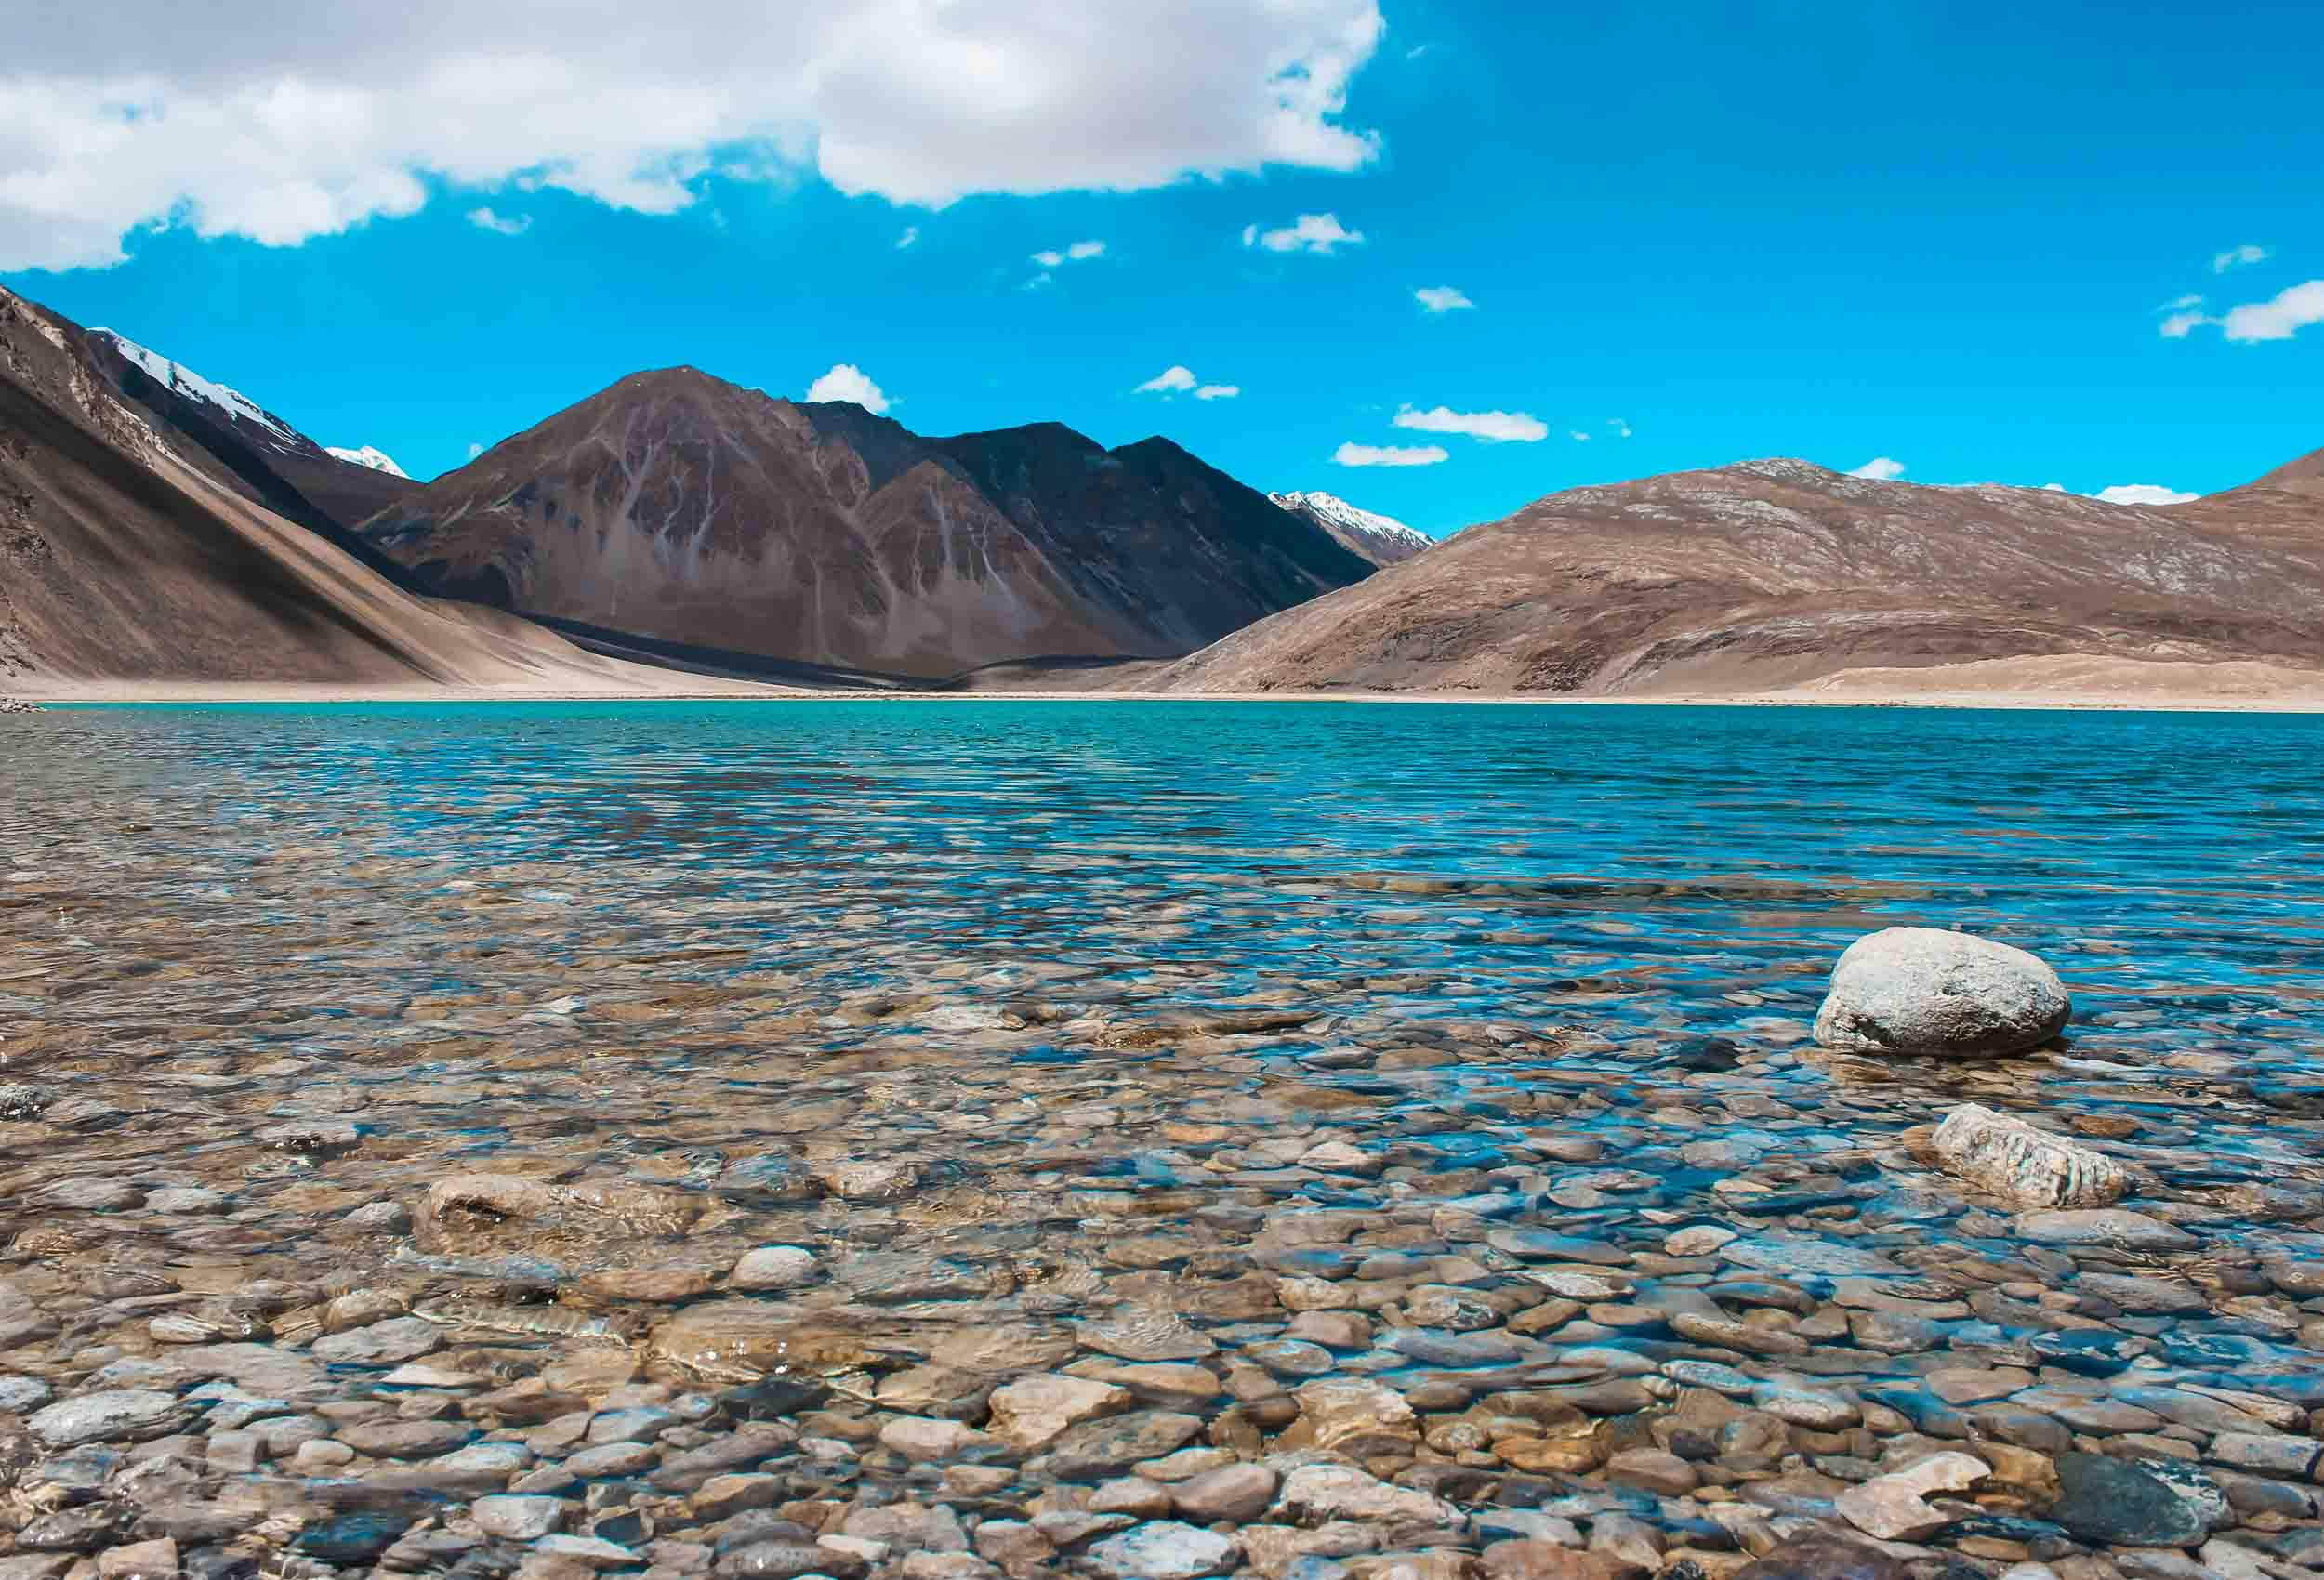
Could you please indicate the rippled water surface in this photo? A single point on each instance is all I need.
(1018, 1014)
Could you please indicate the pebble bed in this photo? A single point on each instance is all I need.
(601, 1176)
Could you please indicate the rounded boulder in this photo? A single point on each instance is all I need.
(1926, 991)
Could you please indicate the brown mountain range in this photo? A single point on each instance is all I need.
(1778, 573)
(131, 550)
(677, 506)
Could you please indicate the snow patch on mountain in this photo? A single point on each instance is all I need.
(378, 460)
(1384, 540)
(185, 381)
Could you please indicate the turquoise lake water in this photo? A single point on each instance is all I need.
(2156, 857)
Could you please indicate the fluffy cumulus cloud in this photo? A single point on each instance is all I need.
(2143, 493)
(2235, 258)
(1308, 233)
(2281, 317)
(848, 382)
(1494, 428)
(1442, 298)
(1169, 381)
(1880, 468)
(505, 224)
(299, 121)
(1389, 455)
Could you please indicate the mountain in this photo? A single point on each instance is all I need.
(1384, 540)
(675, 506)
(127, 553)
(376, 460)
(245, 448)
(1775, 573)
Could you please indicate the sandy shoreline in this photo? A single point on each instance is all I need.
(191, 693)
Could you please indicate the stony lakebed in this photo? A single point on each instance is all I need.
(1128, 1140)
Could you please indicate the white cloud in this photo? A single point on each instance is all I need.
(911, 234)
(1057, 258)
(1494, 428)
(1169, 381)
(2233, 257)
(2053, 488)
(2192, 300)
(1619, 429)
(2281, 317)
(299, 121)
(847, 382)
(1389, 455)
(1881, 469)
(1579, 435)
(1218, 392)
(1310, 232)
(1442, 298)
(2175, 327)
(1039, 280)
(475, 450)
(506, 224)
(2143, 493)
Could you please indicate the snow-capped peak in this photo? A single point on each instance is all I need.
(378, 460)
(1383, 537)
(237, 407)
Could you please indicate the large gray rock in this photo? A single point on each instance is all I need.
(1924, 991)
(2002, 1155)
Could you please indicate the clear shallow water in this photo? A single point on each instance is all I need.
(1084, 986)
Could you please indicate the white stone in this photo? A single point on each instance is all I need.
(1894, 1506)
(518, 1518)
(1927, 991)
(2003, 1155)
(1165, 1549)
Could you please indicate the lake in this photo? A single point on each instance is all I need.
(1297, 1044)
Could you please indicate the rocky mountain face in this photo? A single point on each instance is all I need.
(131, 550)
(677, 506)
(1772, 573)
(1384, 540)
(245, 448)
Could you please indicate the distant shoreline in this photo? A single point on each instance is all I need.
(258, 693)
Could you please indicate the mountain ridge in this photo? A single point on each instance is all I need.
(1775, 573)
(1384, 540)
(687, 510)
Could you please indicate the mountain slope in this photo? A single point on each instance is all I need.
(123, 558)
(681, 508)
(1772, 573)
(1384, 540)
(241, 446)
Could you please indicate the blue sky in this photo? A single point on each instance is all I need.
(1945, 235)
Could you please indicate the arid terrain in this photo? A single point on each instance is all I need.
(1773, 575)
(131, 557)
(677, 506)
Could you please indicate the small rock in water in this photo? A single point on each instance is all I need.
(2103, 1500)
(1896, 1508)
(2008, 1157)
(1926, 991)
(773, 1266)
(121, 1416)
(2102, 1226)
(1165, 1549)
(1824, 1557)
